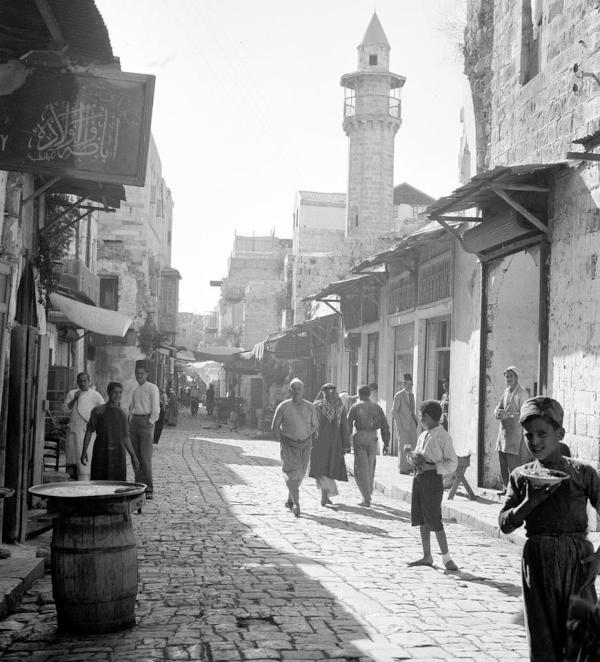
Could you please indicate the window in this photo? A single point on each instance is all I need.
(109, 292)
(435, 280)
(531, 39)
(373, 60)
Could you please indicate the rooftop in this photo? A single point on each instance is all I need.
(405, 194)
(321, 198)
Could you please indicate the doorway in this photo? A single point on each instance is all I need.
(437, 357)
(511, 336)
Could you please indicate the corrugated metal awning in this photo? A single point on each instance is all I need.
(510, 205)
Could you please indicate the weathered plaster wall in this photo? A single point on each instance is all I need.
(464, 353)
(575, 309)
(512, 319)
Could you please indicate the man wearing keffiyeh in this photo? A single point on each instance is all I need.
(327, 456)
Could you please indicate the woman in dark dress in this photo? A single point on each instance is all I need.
(327, 456)
(109, 422)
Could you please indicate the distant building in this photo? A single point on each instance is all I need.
(409, 208)
(136, 278)
(191, 330)
(252, 293)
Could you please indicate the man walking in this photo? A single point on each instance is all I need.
(295, 422)
(79, 403)
(144, 410)
(366, 417)
(405, 418)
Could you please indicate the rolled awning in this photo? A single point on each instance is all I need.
(98, 320)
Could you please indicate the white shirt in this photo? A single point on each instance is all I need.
(145, 399)
(436, 446)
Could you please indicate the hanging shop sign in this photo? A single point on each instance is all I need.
(91, 126)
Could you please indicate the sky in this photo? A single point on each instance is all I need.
(248, 109)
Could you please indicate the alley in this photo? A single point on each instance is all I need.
(227, 573)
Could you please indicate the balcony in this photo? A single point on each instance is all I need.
(76, 276)
(372, 104)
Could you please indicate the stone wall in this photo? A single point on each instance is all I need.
(536, 122)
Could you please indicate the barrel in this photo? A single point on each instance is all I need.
(94, 572)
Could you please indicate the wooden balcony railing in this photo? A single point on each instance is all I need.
(76, 276)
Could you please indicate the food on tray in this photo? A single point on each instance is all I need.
(540, 476)
(544, 472)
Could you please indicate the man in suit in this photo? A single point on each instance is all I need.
(405, 419)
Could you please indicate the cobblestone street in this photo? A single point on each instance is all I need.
(227, 573)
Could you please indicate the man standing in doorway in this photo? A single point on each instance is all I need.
(144, 410)
(367, 417)
(510, 435)
(79, 403)
(405, 418)
(295, 422)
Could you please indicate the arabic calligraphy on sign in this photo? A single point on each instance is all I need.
(67, 130)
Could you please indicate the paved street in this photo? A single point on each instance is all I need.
(227, 573)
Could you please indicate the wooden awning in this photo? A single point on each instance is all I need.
(509, 204)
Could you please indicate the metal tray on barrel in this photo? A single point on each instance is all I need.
(93, 553)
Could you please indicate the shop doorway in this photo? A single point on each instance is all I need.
(511, 336)
(404, 345)
(437, 357)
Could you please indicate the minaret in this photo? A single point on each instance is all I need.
(371, 120)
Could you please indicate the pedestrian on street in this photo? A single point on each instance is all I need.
(445, 403)
(433, 457)
(158, 426)
(295, 422)
(79, 403)
(327, 456)
(172, 413)
(210, 399)
(366, 417)
(194, 399)
(144, 410)
(405, 419)
(510, 435)
(109, 422)
(558, 559)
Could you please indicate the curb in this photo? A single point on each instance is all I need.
(18, 574)
(479, 516)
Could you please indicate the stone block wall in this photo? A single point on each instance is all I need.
(536, 122)
(262, 310)
(370, 181)
(312, 273)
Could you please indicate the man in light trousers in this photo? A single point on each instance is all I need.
(366, 417)
(144, 410)
(295, 422)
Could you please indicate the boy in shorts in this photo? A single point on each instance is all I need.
(433, 457)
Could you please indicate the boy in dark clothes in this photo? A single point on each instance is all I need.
(558, 559)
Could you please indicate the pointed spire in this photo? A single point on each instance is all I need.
(375, 36)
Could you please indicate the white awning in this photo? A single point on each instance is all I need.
(98, 320)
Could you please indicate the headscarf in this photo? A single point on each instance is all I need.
(333, 409)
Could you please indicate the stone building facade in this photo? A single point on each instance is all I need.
(533, 302)
(252, 294)
(136, 278)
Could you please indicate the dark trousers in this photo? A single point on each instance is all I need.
(158, 426)
(141, 433)
(508, 462)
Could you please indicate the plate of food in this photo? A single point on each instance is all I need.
(539, 476)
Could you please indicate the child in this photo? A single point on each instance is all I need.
(558, 560)
(433, 456)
